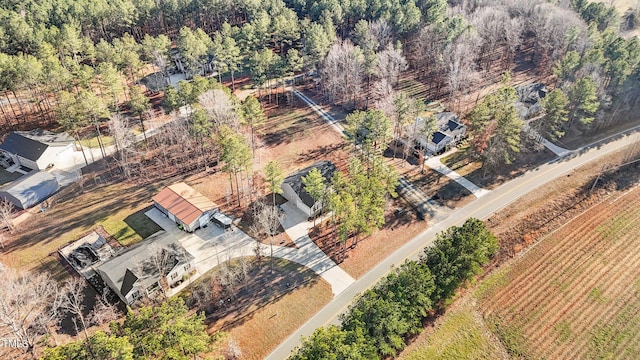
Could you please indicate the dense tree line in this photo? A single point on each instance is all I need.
(80, 63)
(161, 332)
(379, 322)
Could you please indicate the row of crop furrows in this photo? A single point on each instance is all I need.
(579, 256)
(613, 272)
(530, 268)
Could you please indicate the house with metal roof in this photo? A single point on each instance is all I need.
(185, 206)
(36, 149)
(294, 190)
(30, 190)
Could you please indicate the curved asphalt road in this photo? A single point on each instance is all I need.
(481, 208)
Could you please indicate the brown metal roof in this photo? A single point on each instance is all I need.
(184, 202)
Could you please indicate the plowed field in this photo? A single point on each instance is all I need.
(576, 294)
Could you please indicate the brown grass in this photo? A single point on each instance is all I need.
(75, 213)
(574, 295)
(273, 306)
(367, 252)
(528, 159)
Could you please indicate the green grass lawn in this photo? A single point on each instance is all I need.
(93, 142)
(461, 335)
(131, 229)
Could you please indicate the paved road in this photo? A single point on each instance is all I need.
(481, 208)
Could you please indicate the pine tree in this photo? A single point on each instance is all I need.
(274, 178)
(316, 186)
(252, 115)
(555, 106)
(583, 101)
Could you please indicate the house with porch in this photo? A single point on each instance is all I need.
(36, 149)
(294, 190)
(449, 131)
(185, 206)
(156, 264)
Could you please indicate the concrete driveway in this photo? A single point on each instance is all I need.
(212, 246)
(295, 224)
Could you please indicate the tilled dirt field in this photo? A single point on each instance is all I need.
(576, 294)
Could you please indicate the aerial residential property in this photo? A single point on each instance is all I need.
(154, 265)
(185, 206)
(222, 179)
(34, 150)
(294, 189)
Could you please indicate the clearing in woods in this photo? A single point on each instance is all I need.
(576, 294)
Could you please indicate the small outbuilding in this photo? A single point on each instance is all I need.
(222, 220)
(294, 190)
(184, 205)
(30, 190)
(36, 149)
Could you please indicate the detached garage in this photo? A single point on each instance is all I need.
(30, 190)
(184, 205)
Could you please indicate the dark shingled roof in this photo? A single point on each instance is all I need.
(327, 168)
(127, 284)
(438, 137)
(18, 144)
(452, 125)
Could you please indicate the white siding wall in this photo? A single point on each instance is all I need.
(51, 155)
(28, 163)
(177, 272)
(291, 195)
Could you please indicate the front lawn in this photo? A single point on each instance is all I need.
(265, 307)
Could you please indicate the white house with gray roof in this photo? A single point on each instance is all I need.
(449, 131)
(36, 149)
(294, 191)
(142, 269)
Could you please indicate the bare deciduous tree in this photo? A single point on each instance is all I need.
(342, 72)
(267, 220)
(460, 57)
(103, 311)
(6, 214)
(391, 63)
(73, 302)
(233, 350)
(220, 108)
(29, 304)
(125, 155)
